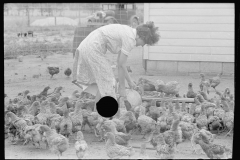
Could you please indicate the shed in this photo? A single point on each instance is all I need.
(195, 37)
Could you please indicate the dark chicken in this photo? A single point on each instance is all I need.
(53, 70)
(68, 72)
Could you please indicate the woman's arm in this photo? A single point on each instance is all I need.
(122, 73)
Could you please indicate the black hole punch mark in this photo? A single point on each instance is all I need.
(107, 106)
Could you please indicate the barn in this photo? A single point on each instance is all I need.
(195, 37)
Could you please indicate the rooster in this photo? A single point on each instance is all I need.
(68, 72)
(53, 70)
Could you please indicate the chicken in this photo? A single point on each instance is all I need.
(81, 145)
(190, 92)
(212, 150)
(146, 123)
(154, 111)
(146, 85)
(215, 124)
(77, 117)
(19, 123)
(56, 93)
(170, 88)
(114, 150)
(33, 110)
(120, 138)
(44, 92)
(201, 120)
(204, 84)
(93, 119)
(68, 72)
(53, 70)
(187, 129)
(57, 142)
(23, 113)
(66, 124)
(129, 120)
(42, 116)
(163, 150)
(34, 132)
(54, 123)
(215, 81)
(172, 137)
(196, 135)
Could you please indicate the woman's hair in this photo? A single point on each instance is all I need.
(148, 33)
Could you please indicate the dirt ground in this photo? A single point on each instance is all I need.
(14, 83)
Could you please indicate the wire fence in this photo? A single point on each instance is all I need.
(42, 28)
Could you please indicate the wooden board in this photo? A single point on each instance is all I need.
(187, 100)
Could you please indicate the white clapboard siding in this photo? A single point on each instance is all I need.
(192, 19)
(197, 27)
(191, 57)
(192, 31)
(196, 35)
(192, 50)
(196, 42)
(191, 5)
(192, 12)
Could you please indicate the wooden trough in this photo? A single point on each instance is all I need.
(159, 99)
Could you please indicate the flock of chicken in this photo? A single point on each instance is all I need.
(52, 119)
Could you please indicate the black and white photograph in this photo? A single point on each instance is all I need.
(119, 80)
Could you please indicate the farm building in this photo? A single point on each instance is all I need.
(195, 37)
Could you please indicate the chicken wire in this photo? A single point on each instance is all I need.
(54, 25)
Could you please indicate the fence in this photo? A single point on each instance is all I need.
(54, 24)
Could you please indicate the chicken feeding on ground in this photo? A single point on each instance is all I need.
(202, 120)
(169, 88)
(190, 92)
(154, 111)
(81, 145)
(208, 137)
(53, 70)
(147, 124)
(145, 85)
(130, 121)
(215, 81)
(19, 123)
(215, 124)
(44, 92)
(34, 135)
(56, 142)
(66, 124)
(120, 138)
(77, 117)
(210, 149)
(114, 150)
(172, 137)
(41, 117)
(163, 150)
